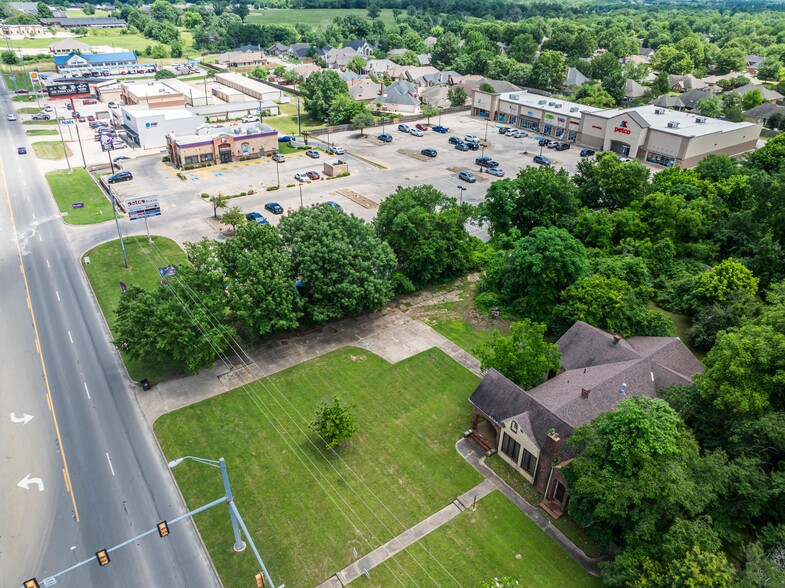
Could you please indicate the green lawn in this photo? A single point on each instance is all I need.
(466, 335)
(305, 508)
(39, 122)
(286, 122)
(496, 540)
(40, 132)
(107, 38)
(79, 13)
(78, 186)
(313, 17)
(18, 80)
(28, 110)
(105, 272)
(51, 150)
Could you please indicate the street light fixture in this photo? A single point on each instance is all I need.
(327, 122)
(460, 194)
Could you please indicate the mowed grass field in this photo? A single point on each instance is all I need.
(313, 17)
(51, 150)
(307, 508)
(78, 186)
(107, 38)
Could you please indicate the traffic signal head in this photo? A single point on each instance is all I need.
(163, 529)
(102, 557)
(259, 580)
(31, 583)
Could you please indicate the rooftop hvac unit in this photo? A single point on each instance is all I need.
(574, 109)
(673, 125)
(659, 111)
(700, 120)
(559, 105)
(515, 96)
(542, 102)
(551, 104)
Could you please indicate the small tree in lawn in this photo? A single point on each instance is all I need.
(362, 120)
(233, 217)
(334, 423)
(429, 110)
(457, 96)
(218, 201)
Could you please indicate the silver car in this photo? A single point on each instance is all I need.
(495, 171)
(415, 132)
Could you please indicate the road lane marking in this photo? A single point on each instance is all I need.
(25, 418)
(86, 390)
(35, 331)
(110, 462)
(27, 480)
(69, 336)
(58, 295)
(47, 264)
(39, 238)
(66, 481)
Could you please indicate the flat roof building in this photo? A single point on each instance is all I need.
(650, 133)
(211, 145)
(193, 95)
(147, 128)
(150, 94)
(216, 112)
(250, 87)
(72, 60)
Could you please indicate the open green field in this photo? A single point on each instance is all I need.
(17, 80)
(49, 122)
(78, 186)
(79, 13)
(311, 16)
(307, 508)
(494, 541)
(40, 132)
(286, 122)
(107, 38)
(51, 150)
(105, 272)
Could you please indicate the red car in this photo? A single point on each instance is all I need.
(82, 119)
(421, 127)
(22, 91)
(91, 118)
(89, 101)
(312, 175)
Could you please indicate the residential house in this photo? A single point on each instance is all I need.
(249, 48)
(574, 77)
(430, 41)
(646, 53)
(303, 52)
(394, 52)
(339, 58)
(399, 72)
(599, 370)
(714, 80)
(400, 96)
(448, 77)
(241, 59)
(306, 69)
(365, 90)
(435, 96)
(277, 50)
(666, 101)
(379, 67)
(753, 63)
(473, 82)
(361, 47)
(684, 83)
(633, 89)
(424, 58)
(350, 76)
(30, 8)
(766, 94)
(689, 100)
(68, 46)
(415, 74)
(763, 112)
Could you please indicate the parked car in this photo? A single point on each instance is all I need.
(472, 145)
(385, 137)
(22, 91)
(334, 205)
(302, 177)
(112, 104)
(285, 138)
(503, 130)
(81, 119)
(587, 152)
(496, 171)
(90, 118)
(624, 159)
(542, 160)
(121, 158)
(542, 142)
(41, 116)
(421, 127)
(97, 124)
(255, 217)
(273, 207)
(278, 158)
(467, 176)
(404, 128)
(48, 108)
(336, 150)
(471, 138)
(10, 117)
(123, 176)
(441, 129)
(70, 106)
(552, 144)
(249, 118)
(486, 162)
(117, 144)
(416, 132)
(312, 175)
(21, 150)
(429, 152)
(461, 146)
(516, 134)
(313, 153)
(89, 101)
(562, 146)
(454, 140)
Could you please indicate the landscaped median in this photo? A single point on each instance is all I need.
(51, 149)
(74, 188)
(308, 509)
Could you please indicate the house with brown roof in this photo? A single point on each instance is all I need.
(528, 428)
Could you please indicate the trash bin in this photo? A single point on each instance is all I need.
(146, 385)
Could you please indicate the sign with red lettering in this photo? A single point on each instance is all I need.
(622, 128)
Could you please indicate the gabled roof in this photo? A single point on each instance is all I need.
(668, 101)
(499, 86)
(765, 110)
(248, 48)
(277, 47)
(574, 77)
(430, 41)
(424, 58)
(754, 60)
(350, 76)
(687, 82)
(633, 89)
(357, 44)
(690, 99)
(70, 44)
(766, 94)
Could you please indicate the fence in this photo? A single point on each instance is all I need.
(387, 121)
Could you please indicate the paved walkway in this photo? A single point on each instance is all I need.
(393, 335)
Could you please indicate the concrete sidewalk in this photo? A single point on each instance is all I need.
(392, 335)
(408, 537)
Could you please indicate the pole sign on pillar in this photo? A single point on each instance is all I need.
(144, 207)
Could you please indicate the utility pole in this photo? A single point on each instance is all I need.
(117, 223)
(299, 130)
(81, 149)
(278, 173)
(62, 140)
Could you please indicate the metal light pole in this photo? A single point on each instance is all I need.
(301, 194)
(81, 149)
(278, 173)
(460, 194)
(117, 223)
(239, 544)
(440, 116)
(62, 140)
(327, 122)
(299, 131)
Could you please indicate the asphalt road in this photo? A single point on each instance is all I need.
(94, 476)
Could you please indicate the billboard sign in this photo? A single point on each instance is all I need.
(144, 207)
(73, 89)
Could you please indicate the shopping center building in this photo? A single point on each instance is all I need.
(211, 145)
(657, 135)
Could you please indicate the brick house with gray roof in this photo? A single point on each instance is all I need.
(598, 371)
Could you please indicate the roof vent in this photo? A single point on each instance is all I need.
(616, 340)
(559, 105)
(585, 392)
(551, 104)
(515, 96)
(673, 125)
(701, 120)
(574, 109)
(623, 389)
(659, 111)
(542, 102)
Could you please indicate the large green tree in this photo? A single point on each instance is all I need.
(320, 90)
(549, 71)
(344, 268)
(607, 182)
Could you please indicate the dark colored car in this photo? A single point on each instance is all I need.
(121, 158)
(313, 153)
(273, 207)
(461, 146)
(472, 145)
(486, 162)
(255, 217)
(312, 175)
(454, 140)
(334, 205)
(562, 146)
(503, 130)
(421, 127)
(542, 160)
(22, 91)
(467, 176)
(89, 101)
(542, 142)
(123, 176)
(587, 152)
(441, 129)
(285, 139)
(21, 150)
(429, 152)
(385, 137)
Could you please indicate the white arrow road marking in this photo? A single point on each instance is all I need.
(110, 462)
(86, 390)
(69, 336)
(26, 418)
(28, 480)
